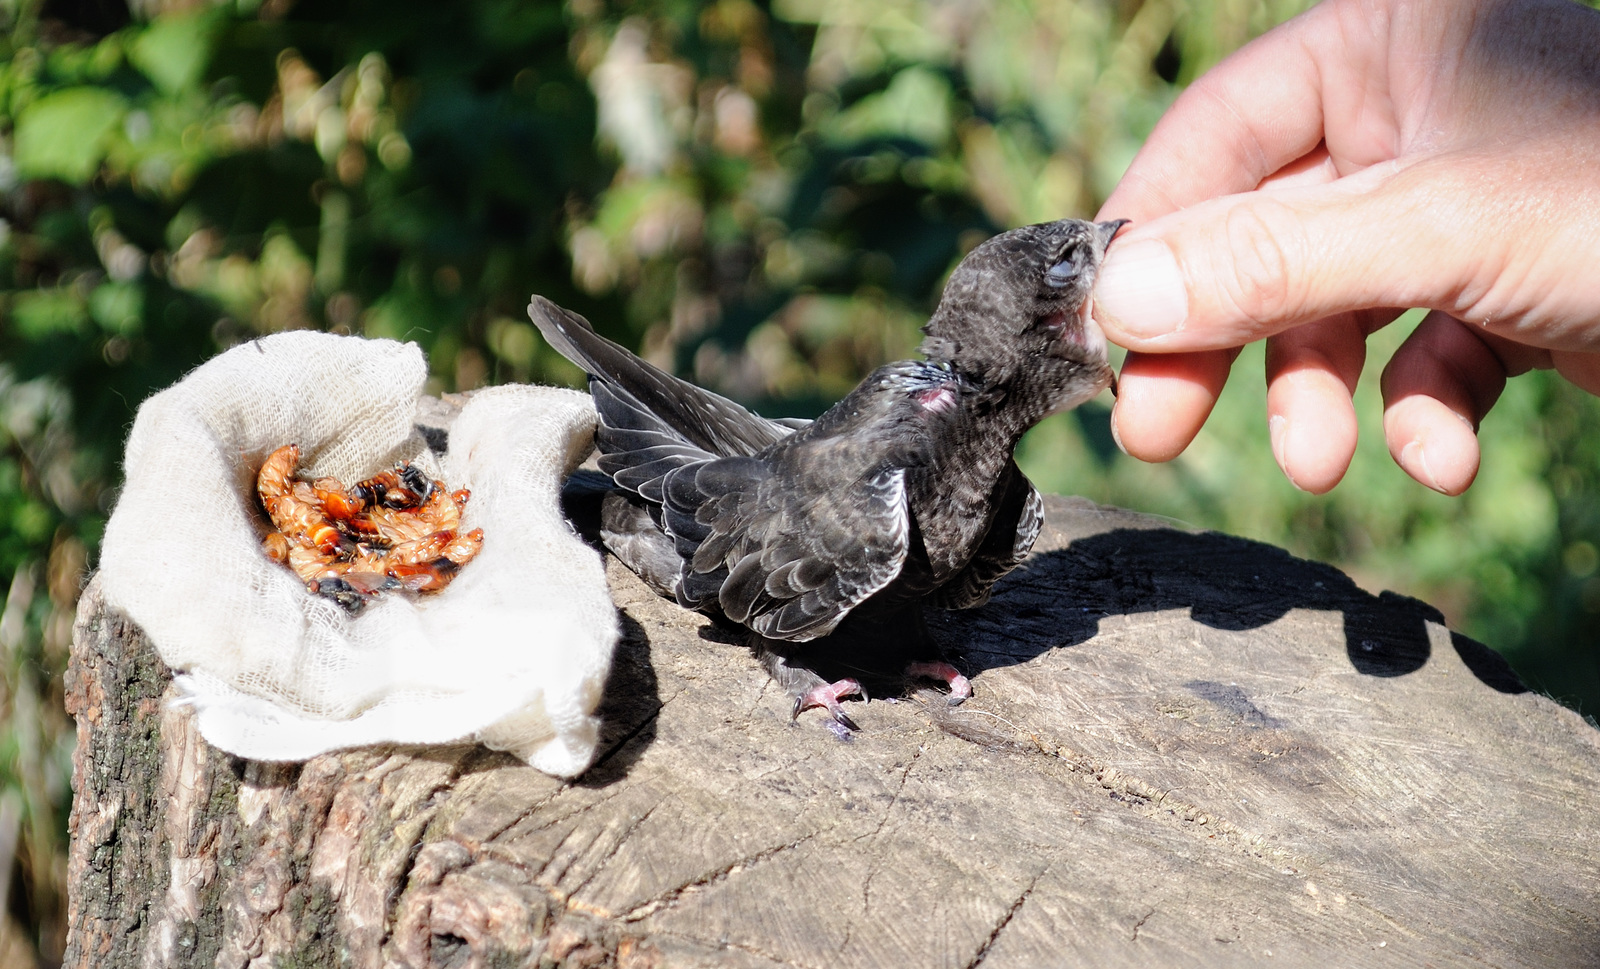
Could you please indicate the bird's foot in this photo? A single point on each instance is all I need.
(960, 686)
(827, 697)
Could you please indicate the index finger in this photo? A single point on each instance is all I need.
(1318, 78)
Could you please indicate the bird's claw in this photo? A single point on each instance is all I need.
(960, 686)
(827, 696)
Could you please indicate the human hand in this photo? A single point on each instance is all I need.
(1356, 161)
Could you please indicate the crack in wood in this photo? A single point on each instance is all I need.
(1159, 805)
(578, 812)
(750, 711)
(787, 766)
(866, 883)
(1140, 924)
(671, 896)
(611, 854)
(422, 811)
(895, 798)
(617, 747)
(1005, 920)
(495, 833)
(398, 888)
(556, 855)
(538, 805)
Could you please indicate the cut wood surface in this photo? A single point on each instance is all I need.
(1184, 749)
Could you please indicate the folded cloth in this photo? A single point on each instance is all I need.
(513, 653)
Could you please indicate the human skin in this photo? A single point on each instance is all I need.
(1366, 157)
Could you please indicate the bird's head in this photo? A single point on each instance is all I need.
(1017, 309)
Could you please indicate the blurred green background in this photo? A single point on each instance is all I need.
(762, 196)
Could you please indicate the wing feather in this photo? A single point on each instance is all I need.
(772, 559)
(788, 561)
(835, 577)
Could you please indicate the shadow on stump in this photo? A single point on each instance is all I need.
(1057, 599)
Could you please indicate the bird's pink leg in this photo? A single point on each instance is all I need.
(960, 686)
(827, 696)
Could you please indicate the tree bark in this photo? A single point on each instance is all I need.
(1184, 749)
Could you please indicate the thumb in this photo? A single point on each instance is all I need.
(1235, 269)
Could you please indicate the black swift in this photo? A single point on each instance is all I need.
(830, 535)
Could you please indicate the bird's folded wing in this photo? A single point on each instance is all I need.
(1019, 514)
(788, 562)
(637, 448)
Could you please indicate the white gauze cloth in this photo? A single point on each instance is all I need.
(513, 653)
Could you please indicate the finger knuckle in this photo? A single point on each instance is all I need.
(1262, 242)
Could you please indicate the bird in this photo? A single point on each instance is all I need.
(827, 539)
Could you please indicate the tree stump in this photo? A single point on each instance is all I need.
(1184, 749)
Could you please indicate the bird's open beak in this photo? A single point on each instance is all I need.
(1108, 231)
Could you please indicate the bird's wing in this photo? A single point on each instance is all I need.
(1019, 514)
(789, 562)
(651, 422)
(637, 448)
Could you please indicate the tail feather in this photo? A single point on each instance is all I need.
(644, 398)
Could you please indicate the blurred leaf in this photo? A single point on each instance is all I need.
(63, 134)
(915, 106)
(117, 307)
(174, 50)
(43, 313)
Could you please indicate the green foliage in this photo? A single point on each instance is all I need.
(765, 198)
(63, 134)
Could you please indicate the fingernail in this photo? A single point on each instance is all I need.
(1278, 431)
(1140, 290)
(1415, 460)
(1116, 435)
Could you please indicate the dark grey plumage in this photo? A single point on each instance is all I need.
(904, 492)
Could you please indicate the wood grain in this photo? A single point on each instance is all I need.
(1184, 749)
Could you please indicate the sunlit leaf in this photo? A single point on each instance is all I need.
(915, 106)
(43, 313)
(63, 134)
(174, 50)
(117, 307)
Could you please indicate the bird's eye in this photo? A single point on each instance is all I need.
(1065, 271)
